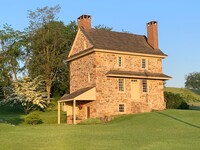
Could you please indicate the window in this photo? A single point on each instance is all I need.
(84, 45)
(89, 78)
(120, 61)
(121, 85)
(121, 108)
(143, 63)
(144, 86)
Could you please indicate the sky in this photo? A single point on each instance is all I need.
(178, 25)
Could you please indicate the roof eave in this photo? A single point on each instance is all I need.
(138, 76)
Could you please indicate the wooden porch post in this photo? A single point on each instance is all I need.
(58, 112)
(74, 111)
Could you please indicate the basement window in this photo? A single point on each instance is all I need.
(121, 108)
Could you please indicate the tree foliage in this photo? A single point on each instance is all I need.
(28, 93)
(47, 38)
(193, 80)
(103, 27)
(175, 101)
(12, 56)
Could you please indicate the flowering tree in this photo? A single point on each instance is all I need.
(29, 93)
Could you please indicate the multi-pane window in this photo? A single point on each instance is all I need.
(143, 63)
(121, 107)
(144, 86)
(120, 61)
(121, 85)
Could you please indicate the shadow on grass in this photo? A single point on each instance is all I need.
(11, 120)
(195, 91)
(182, 121)
(11, 115)
(193, 107)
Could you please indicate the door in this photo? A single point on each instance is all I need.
(88, 112)
(135, 91)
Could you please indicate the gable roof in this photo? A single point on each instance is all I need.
(119, 41)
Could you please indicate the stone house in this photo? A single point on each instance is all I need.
(113, 73)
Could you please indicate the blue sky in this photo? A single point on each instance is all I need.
(178, 20)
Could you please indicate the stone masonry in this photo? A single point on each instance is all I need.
(91, 70)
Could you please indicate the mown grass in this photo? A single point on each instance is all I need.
(162, 130)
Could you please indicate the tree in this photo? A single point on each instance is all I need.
(61, 82)
(103, 27)
(48, 43)
(12, 49)
(28, 93)
(193, 81)
(11, 57)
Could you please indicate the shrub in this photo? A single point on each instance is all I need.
(175, 101)
(33, 118)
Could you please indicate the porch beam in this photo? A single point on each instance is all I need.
(74, 111)
(58, 112)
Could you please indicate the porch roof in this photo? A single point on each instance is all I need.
(87, 94)
(140, 75)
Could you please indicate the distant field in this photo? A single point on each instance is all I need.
(191, 96)
(193, 93)
(162, 130)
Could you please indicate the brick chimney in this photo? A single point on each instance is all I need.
(84, 22)
(152, 34)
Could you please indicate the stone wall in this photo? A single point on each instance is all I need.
(82, 72)
(108, 96)
(81, 43)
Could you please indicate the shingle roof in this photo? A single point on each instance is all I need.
(119, 41)
(74, 94)
(144, 74)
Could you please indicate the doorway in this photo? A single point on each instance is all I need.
(88, 112)
(135, 91)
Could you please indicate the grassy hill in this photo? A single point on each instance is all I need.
(192, 97)
(166, 130)
(183, 91)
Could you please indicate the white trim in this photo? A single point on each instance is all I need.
(138, 77)
(113, 52)
(129, 53)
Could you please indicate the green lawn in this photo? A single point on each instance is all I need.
(163, 130)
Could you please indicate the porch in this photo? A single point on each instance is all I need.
(74, 102)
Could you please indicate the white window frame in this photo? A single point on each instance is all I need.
(144, 86)
(122, 106)
(120, 61)
(121, 85)
(144, 63)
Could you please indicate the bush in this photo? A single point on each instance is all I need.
(33, 118)
(175, 101)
